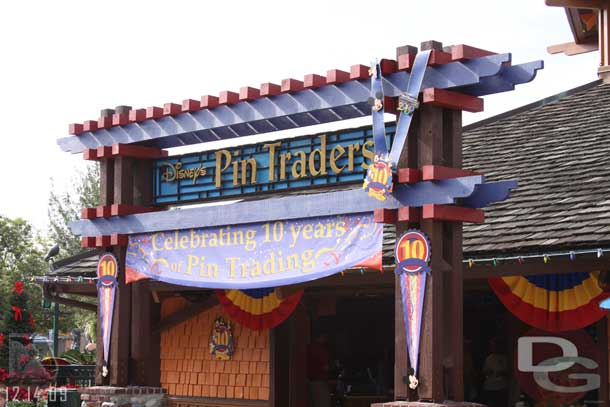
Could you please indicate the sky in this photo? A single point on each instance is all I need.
(63, 61)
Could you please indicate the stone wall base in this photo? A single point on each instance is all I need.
(133, 396)
(427, 404)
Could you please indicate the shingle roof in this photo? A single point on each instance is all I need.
(559, 151)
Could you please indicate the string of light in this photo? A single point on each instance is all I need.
(78, 280)
(546, 257)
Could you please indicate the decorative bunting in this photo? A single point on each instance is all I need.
(107, 271)
(554, 303)
(412, 257)
(258, 309)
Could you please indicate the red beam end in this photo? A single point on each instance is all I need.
(120, 119)
(137, 115)
(270, 89)
(104, 122)
(102, 241)
(453, 100)
(102, 211)
(90, 154)
(87, 242)
(336, 76)
(408, 175)
(437, 173)
(405, 62)
(313, 81)
(461, 52)
(388, 66)
(389, 216)
(90, 125)
(190, 105)
(129, 150)
(439, 58)
(170, 109)
(228, 98)
(88, 213)
(291, 85)
(248, 93)
(409, 214)
(359, 72)
(104, 152)
(75, 128)
(118, 240)
(209, 102)
(452, 213)
(154, 112)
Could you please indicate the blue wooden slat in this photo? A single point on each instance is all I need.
(282, 108)
(485, 194)
(290, 207)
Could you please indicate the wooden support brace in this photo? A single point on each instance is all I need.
(439, 58)
(359, 72)
(154, 112)
(104, 152)
(124, 210)
(102, 241)
(461, 52)
(438, 172)
(88, 213)
(408, 175)
(87, 242)
(190, 105)
(313, 81)
(137, 115)
(103, 211)
(291, 85)
(452, 100)
(171, 109)
(209, 102)
(134, 151)
(120, 119)
(75, 128)
(90, 125)
(270, 89)
(409, 214)
(452, 213)
(118, 240)
(227, 97)
(389, 216)
(336, 76)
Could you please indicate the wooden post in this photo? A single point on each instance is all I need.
(602, 348)
(435, 139)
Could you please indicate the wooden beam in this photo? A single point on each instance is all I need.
(571, 48)
(388, 216)
(186, 313)
(453, 100)
(588, 4)
(439, 172)
(452, 213)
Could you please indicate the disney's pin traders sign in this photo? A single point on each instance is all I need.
(412, 257)
(107, 272)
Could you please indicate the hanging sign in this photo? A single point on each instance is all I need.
(221, 340)
(412, 257)
(257, 255)
(330, 159)
(107, 272)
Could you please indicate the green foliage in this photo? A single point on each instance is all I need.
(65, 208)
(25, 403)
(77, 357)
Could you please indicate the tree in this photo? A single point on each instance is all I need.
(65, 208)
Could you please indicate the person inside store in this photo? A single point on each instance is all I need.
(318, 359)
(495, 372)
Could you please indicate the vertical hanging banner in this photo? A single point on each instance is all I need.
(107, 272)
(412, 257)
(257, 255)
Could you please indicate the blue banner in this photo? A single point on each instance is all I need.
(257, 255)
